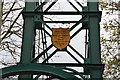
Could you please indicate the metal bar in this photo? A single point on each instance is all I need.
(73, 5)
(47, 32)
(94, 40)
(36, 77)
(51, 78)
(86, 43)
(81, 20)
(76, 52)
(41, 6)
(33, 54)
(42, 53)
(95, 13)
(79, 4)
(28, 39)
(39, 37)
(50, 56)
(73, 57)
(45, 24)
(50, 5)
(48, 27)
(42, 41)
(62, 21)
(76, 32)
(74, 64)
(94, 33)
(75, 72)
(36, 68)
(45, 42)
(65, 64)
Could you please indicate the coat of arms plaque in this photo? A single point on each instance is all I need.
(60, 37)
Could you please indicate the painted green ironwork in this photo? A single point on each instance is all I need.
(94, 41)
(37, 69)
(33, 19)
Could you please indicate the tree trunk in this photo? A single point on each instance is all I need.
(0, 18)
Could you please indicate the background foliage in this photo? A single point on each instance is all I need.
(110, 38)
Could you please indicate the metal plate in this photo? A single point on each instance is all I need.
(60, 37)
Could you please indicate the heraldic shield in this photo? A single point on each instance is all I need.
(60, 37)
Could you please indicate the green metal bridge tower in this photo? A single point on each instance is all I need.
(30, 68)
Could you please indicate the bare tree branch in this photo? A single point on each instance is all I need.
(11, 27)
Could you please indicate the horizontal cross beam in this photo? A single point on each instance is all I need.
(94, 13)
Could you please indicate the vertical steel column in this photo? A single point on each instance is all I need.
(94, 40)
(28, 37)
